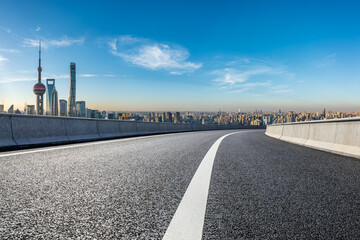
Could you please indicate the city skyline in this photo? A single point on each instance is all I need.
(228, 63)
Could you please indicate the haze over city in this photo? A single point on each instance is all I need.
(185, 56)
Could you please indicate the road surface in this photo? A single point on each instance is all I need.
(259, 188)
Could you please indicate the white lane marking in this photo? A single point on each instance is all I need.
(188, 220)
(87, 144)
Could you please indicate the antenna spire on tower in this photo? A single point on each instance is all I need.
(39, 52)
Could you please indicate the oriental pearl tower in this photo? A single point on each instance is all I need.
(39, 88)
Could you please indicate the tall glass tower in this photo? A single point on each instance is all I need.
(72, 91)
(54, 103)
(50, 85)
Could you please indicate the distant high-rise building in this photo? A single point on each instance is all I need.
(110, 115)
(11, 109)
(290, 117)
(50, 85)
(72, 91)
(39, 88)
(88, 112)
(169, 117)
(176, 117)
(54, 103)
(95, 114)
(1, 108)
(80, 109)
(29, 109)
(63, 107)
(123, 116)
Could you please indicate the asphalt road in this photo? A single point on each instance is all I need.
(260, 188)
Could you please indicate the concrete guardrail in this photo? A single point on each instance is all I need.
(341, 136)
(18, 130)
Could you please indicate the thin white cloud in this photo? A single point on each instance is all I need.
(231, 76)
(326, 61)
(17, 79)
(175, 73)
(246, 74)
(284, 91)
(32, 76)
(249, 86)
(64, 42)
(6, 29)
(282, 88)
(3, 59)
(110, 75)
(86, 75)
(9, 50)
(37, 29)
(153, 55)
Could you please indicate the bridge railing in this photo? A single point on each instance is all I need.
(18, 130)
(341, 136)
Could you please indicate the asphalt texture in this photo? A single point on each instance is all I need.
(260, 188)
(263, 188)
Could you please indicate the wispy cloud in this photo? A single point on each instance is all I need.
(64, 42)
(153, 55)
(110, 75)
(32, 76)
(246, 74)
(9, 50)
(3, 59)
(6, 29)
(326, 61)
(37, 29)
(16, 79)
(86, 75)
(249, 86)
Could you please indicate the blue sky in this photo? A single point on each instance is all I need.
(185, 55)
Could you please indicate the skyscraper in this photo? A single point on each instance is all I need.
(54, 103)
(176, 117)
(72, 91)
(11, 109)
(50, 85)
(39, 88)
(29, 109)
(1, 108)
(63, 107)
(80, 109)
(169, 117)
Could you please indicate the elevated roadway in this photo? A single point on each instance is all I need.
(243, 186)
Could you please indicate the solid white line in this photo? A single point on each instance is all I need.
(188, 220)
(85, 144)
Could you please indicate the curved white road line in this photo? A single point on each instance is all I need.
(188, 220)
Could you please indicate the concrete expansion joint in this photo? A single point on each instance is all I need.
(12, 131)
(66, 132)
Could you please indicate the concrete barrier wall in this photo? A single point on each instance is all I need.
(341, 136)
(108, 129)
(6, 138)
(32, 130)
(81, 129)
(27, 130)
